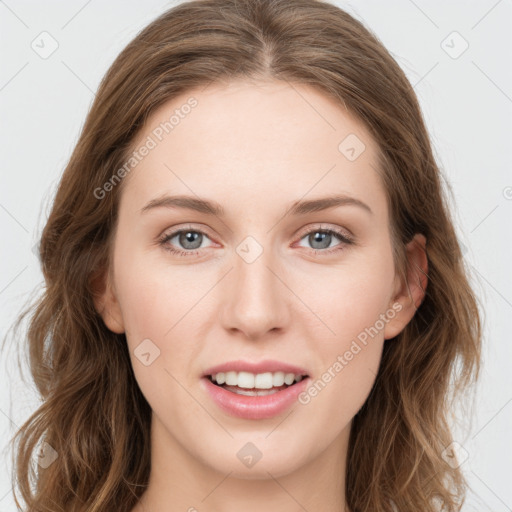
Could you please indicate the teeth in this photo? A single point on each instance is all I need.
(254, 392)
(249, 380)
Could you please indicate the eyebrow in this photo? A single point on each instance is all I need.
(213, 208)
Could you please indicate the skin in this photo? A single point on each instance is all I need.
(255, 148)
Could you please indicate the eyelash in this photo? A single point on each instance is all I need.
(346, 240)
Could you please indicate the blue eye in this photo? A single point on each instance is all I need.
(191, 240)
(324, 237)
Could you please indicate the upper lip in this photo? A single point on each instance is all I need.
(267, 365)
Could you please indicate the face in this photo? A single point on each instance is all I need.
(263, 280)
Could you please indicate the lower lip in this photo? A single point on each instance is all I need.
(254, 407)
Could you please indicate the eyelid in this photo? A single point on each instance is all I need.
(339, 231)
(173, 231)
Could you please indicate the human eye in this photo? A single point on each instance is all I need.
(323, 238)
(190, 239)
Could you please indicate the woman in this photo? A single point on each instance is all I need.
(255, 297)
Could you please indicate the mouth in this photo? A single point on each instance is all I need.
(249, 384)
(255, 390)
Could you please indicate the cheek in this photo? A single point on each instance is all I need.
(161, 304)
(346, 367)
(350, 298)
(340, 389)
(353, 302)
(142, 301)
(157, 327)
(153, 296)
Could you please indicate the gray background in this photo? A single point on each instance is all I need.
(466, 97)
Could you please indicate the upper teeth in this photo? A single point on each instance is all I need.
(260, 380)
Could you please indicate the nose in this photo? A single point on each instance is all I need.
(257, 298)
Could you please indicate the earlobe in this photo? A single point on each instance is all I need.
(106, 303)
(411, 292)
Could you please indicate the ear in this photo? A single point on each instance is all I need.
(105, 301)
(409, 293)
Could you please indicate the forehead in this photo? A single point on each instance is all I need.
(240, 141)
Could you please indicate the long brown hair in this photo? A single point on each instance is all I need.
(93, 414)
